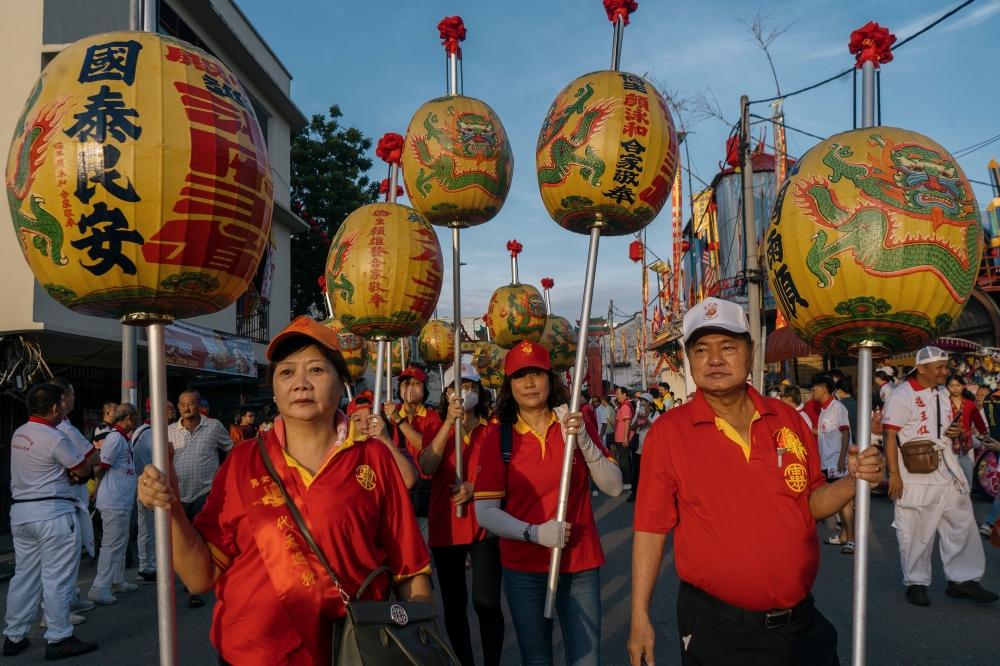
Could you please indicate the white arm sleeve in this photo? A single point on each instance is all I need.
(607, 476)
(496, 520)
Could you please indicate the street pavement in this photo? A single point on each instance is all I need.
(950, 632)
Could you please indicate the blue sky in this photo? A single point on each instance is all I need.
(381, 59)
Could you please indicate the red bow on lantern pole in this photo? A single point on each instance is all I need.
(383, 188)
(871, 43)
(623, 8)
(515, 249)
(390, 150)
(452, 30)
(548, 283)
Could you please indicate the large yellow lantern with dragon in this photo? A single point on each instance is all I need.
(516, 311)
(558, 337)
(353, 348)
(384, 271)
(606, 154)
(875, 237)
(399, 353)
(488, 360)
(138, 179)
(436, 342)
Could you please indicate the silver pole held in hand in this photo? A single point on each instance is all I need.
(574, 406)
(457, 367)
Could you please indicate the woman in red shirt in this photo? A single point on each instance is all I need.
(533, 418)
(452, 539)
(964, 405)
(276, 604)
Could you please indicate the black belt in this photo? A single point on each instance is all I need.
(42, 499)
(772, 619)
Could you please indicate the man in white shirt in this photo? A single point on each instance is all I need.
(936, 502)
(86, 526)
(116, 493)
(833, 434)
(44, 467)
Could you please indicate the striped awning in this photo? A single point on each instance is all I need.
(783, 345)
(955, 344)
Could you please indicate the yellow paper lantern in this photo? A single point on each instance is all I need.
(397, 363)
(516, 313)
(875, 237)
(436, 342)
(384, 271)
(457, 162)
(138, 179)
(488, 361)
(352, 347)
(606, 154)
(559, 338)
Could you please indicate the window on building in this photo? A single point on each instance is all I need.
(173, 25)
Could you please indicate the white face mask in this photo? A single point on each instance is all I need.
(470, 401)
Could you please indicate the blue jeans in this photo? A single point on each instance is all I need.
(578, 604)
(994, 513)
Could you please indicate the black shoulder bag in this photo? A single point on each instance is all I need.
(376, 633)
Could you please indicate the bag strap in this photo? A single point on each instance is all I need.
(938, 395)
(506, 442)
(299, 521)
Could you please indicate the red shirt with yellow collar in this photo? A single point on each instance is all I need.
(424, 421)
(444, 527)
(697, 470)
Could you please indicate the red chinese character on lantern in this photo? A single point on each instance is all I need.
(632, 99)
(638, 115)
(631, 129)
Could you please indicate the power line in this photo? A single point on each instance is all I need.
(821, 138)
(845, 73)
(973, 148)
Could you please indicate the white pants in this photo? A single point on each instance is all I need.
(111, 562)
(147, 539)
(923, 511)
(48, 555)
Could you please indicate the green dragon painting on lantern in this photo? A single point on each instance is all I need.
(881, 227)
(516, 313)
(456, 144)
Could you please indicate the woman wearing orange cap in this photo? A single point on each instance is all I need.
(452, 539)
(365, 426)
(276, 602)
(521, 461)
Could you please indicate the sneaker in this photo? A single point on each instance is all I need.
(985, 529)
(594, 493)
(74, 619)
(79, 605)
(68, 647)
(917, 595)
(626, 486)
(101, 595)
(970, 589)
(123, 586)
(10, 648)
(146, 577)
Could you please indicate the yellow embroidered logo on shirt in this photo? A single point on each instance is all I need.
(788, 440)
(366, 477)
(795, 477)
(272, 495)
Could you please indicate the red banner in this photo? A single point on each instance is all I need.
(594, 369)
(199, 348)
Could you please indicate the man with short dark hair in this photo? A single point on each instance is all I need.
(833, 434)
(44, 468)
(197, 441)
(742, 600)
(116, 492)
(623, 435)
(105, 427)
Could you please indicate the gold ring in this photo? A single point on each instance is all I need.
(145, 480)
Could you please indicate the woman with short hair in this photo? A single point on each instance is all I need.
(276, 602)
(521, 463)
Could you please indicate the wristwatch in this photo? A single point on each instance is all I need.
(398, 422)
(527, 533)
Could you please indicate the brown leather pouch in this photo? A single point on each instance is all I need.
(920, 456)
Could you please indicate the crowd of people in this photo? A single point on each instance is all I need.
(251, 514)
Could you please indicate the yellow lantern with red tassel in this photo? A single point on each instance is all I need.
(516, 311)
(488, 360)
(558, 337)
(127, 197)
(384, 271)
(436, 342)
(352, 347)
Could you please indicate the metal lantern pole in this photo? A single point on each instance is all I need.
(578, 365)
(129, 352)
(862, 495)
(391, 192)
(750, 267)
(166, 610)
(379, 377)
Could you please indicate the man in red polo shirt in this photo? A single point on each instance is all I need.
(744, 595)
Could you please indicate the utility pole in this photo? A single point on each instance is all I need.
(611, 333)
(754, 277)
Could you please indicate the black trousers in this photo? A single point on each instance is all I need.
(636, 469)
(709, 638)
(487, 576)
(623, 456)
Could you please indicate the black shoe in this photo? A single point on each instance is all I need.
(194, 601)
(10, 648)
(147, 576)
(970, 589)
(917, 595)
(631, 498)
(68, 647)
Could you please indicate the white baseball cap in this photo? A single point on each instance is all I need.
(929, 355)
(468, 372)
(715, 313)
